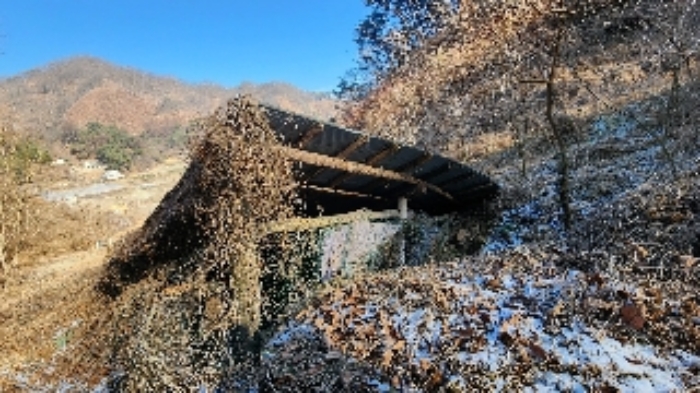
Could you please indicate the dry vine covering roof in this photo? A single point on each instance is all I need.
(343, 169)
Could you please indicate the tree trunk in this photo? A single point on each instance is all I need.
(563, 161)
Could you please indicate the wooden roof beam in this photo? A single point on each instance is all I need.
(305, 224)
(356, 168)
(375, 159)
(342, 192)
(349, 149)
(405, 169)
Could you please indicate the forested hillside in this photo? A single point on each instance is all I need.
(77, 91)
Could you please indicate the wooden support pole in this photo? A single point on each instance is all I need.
(403, 208)
(403, 214)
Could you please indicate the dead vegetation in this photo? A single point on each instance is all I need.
(185, 288)
(80, 90)
(613, 307)
(609, 305)
(475, 76)
(17, 211)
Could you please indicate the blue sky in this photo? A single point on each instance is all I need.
(308, 43)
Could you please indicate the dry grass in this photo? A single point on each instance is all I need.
(14, 206)
(49, 305)
(466, 81)
(48, 311)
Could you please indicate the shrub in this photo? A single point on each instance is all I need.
(112, 146)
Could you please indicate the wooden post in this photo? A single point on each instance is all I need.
(403, 214)
(403, 208)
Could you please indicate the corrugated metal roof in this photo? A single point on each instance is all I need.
(438, 185)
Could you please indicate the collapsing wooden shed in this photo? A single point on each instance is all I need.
(225, 251)
(342, 176)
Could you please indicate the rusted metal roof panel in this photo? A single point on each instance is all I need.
(434, 183)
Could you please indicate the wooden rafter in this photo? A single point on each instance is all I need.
(361, 140)
(455, 179)
(413, 164)
(349, 149)
(444, 168)
(310, 134)
(406, 169)
(356, 168)
(342, 192)
(372, 161)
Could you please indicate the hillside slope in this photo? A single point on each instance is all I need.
(479, 86)
(79, 90)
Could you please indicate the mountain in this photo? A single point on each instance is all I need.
(76, 91)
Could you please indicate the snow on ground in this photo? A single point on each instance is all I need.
(454, 326)
(618, 159)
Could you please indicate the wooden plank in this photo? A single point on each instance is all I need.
(356, 168)
(403, 190)
(305, 224)
(342, 192)
(361, 140)
(411, 165)
(478, 190)
(446, 167)
(383, 154)
(456, 178)
(409, 192)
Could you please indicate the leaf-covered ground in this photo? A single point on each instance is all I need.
(615, 306)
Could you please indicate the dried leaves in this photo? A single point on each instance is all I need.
(462, 79)
(203, 306)
(632, 315)
(425, 327)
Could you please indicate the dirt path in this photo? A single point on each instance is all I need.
(29, 286)
(42, 300)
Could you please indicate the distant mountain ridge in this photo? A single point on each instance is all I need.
(79, 90)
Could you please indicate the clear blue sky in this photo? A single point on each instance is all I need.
(308, 43)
